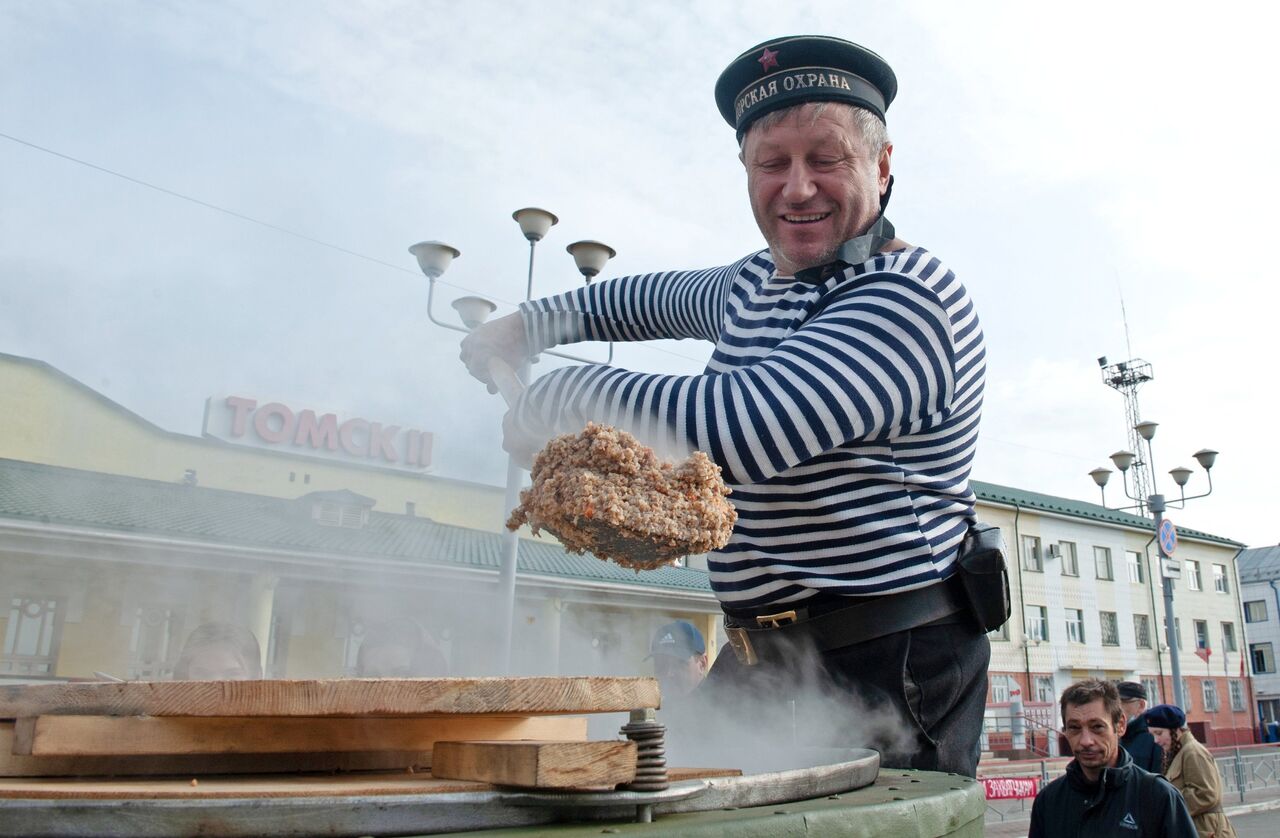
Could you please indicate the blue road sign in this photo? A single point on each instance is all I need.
(1168, 537)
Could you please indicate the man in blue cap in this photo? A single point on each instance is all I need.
(679, 659)
(841, 402)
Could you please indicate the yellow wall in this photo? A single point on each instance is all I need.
(48, 418)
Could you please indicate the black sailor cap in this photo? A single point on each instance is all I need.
(803, 68)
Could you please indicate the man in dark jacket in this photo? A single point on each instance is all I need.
(1137, 740)
(1103, 793)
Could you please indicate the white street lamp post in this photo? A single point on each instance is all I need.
(1155, 502)
(434, 258)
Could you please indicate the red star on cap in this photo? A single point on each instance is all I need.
(768, 58)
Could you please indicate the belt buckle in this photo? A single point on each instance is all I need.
(773, 621)
(741, 645)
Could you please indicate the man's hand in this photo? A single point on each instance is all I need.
(520, 443)
(503, 338)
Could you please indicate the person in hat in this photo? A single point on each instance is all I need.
(1137, 740)
(1192, 770)
(841, 402)
(219, 652)
(679, 657)
(1103, 792)
(399, 648)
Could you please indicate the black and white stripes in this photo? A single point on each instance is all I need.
(843, 412)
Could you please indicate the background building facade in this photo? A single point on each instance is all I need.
(1087, 602)
(1260, 592)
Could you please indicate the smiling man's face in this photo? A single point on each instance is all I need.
(813, 185)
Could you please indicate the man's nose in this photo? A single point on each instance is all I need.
(799, 186)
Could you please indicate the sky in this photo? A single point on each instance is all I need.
(1099, 176)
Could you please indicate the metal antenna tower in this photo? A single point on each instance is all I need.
(1126, 377)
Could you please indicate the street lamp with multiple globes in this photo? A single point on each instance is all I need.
(434, 258)
(1124, 460)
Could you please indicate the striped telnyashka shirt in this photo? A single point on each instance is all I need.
(843, 412)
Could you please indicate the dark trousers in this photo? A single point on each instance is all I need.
(917, 696)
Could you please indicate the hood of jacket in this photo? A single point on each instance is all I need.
(1136, 728)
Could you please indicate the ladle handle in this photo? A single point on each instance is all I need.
(506, 380)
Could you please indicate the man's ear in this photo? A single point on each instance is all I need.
(1123, 725)
(886, 157)
(702, 662)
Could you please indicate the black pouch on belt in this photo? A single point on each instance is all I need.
(984, 575)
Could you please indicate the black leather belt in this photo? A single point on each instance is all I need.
(828, 625)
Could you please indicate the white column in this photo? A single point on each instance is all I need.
(261, 610)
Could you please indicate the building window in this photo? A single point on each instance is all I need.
(999, 634)
(1102, 562)
(1031, 558)
(1236, 688)
(1262, 658)
(1153, 690)
(1194, 582)
(1075, 625)
(1137, 573)
(1110, 628)
(1186, 691)
(1044, 689)
(1228, 637)
(153, 644)
(1177, 629)
(31, 635)
(1202, 633)
(1036, 618)
(1000, 689)
(1070, 561)
(1142, 631)
(1220, 578)
(1255, 611)
(1210, 691)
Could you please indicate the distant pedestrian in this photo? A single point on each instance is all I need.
(1103, 793)
(399, 648)
(1191, 769)
(219, 652)
(679, 659)
(1137, 740)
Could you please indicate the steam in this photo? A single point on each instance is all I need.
(785, 715)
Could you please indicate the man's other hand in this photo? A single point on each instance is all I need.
(522, 443)
(503, 338)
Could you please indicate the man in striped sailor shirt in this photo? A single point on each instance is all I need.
(842, 402)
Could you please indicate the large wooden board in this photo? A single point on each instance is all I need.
(576, 765)
(338, 697)
(52, 736)
(196, 765)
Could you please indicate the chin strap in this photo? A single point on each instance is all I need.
(857, 250)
